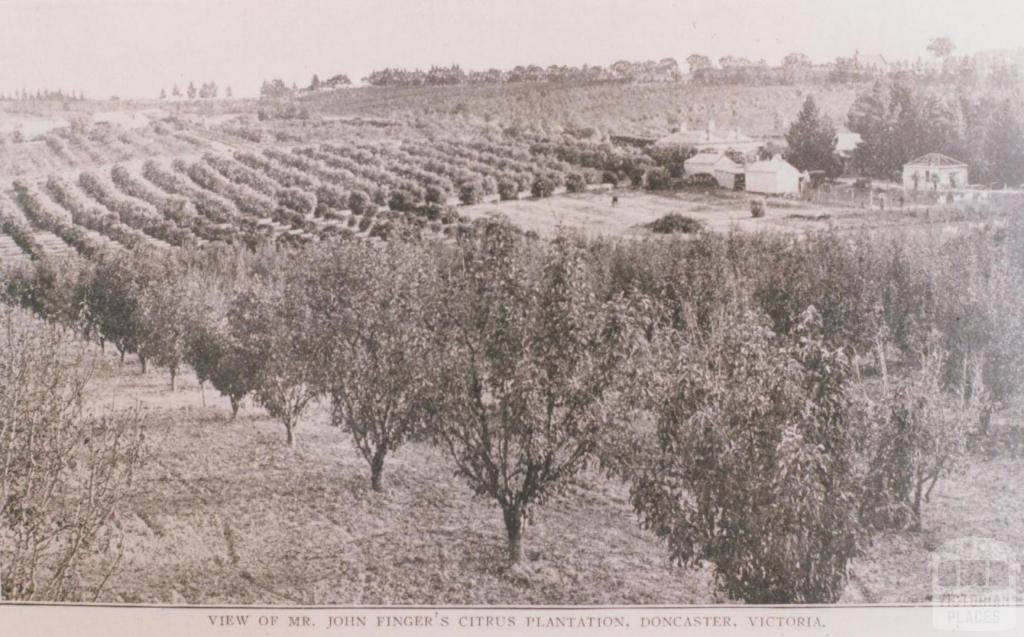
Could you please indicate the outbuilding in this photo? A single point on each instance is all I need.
(774, 177)
(934, 171)
(718, 165)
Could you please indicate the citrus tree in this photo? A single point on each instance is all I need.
(527, 367)
(368, 306)
(751, 466)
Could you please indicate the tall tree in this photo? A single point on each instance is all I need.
(812, 141)
(1004, 147)
(528, 362)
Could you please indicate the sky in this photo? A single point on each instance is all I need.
(133, 48)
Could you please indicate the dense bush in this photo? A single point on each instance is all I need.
(674, 222)
(542, 187)
(752, 468)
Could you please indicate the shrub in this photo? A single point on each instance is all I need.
(575, 182)
(470, 193)
(403, 201)
(359, 202)
(436, 195)
(542, 187)
(658, 179)
(673, 222)
(508, 190)
(757, 208)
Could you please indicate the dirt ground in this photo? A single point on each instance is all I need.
(720, 211)
(227, 514)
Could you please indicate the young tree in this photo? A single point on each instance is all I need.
(922, 437)
(175, 91)
(113, 303)
(191, 91)
(219, 358)
(163, 94)
(167, 306)
(314, 84)
(269, 320)
(812, 141)
(368, 304)
(227, 91)
(527, 365)
(751, 467)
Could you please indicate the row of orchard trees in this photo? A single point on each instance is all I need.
(739, 384)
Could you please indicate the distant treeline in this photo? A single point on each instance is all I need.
(665, 70)
(44, 94)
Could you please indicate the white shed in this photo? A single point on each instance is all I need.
(774, 177)
(717, 165)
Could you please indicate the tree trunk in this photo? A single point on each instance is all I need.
(142, 360)
(174, 373)
(202, 391)
(514, 521)
(377, 469)
(290, 432)
(916, 523)
(235, 404)
(122, 355)
(103, 345)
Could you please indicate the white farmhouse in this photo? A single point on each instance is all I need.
(934, 171)
(774, 177)
(717, 165)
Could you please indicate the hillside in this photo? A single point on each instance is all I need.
(639, 109)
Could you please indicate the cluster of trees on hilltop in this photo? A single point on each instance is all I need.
(665, 70)
(707, 374)
(208, 90)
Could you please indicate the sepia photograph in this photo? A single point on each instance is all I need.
(615, 315)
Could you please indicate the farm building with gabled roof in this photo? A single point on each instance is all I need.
(774, 177)
(716, 164)
(934, 171)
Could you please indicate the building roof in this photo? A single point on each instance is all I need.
(935, 159)
(710, 162)
(709, 135)
(774, 165)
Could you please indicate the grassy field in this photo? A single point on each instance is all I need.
(719, 211)
(226, 514)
